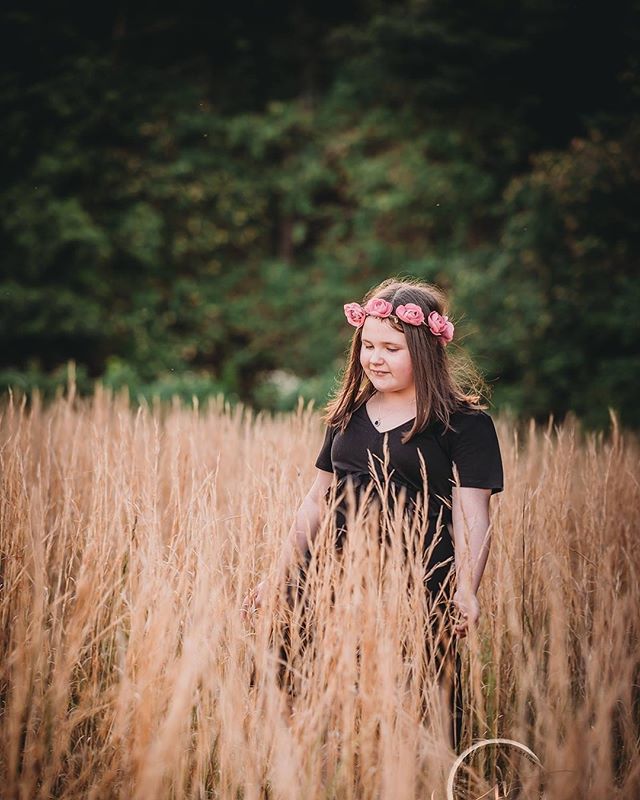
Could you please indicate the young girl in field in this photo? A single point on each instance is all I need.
(399, 393)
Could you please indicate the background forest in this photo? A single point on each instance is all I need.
(191, 192)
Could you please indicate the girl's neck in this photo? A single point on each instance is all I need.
(398, 400)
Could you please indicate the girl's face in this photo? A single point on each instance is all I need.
(384, 356)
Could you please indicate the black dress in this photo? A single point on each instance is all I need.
(470, 443)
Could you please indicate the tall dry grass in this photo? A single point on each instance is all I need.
(129, 538)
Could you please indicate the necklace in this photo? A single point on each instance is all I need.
(378, 419)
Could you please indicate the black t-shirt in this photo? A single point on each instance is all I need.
(471, 444)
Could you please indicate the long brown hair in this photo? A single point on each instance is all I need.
(443, 385)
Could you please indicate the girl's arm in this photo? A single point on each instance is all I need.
(470, 513)
(302, 533)
(305, 526)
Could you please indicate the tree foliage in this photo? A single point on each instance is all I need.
(191, 219)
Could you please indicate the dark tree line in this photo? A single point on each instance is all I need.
(191, 192)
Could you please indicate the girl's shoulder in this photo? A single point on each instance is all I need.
(466, 420)
(473, 445)
(358, 412)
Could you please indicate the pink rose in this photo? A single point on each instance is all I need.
(355, 314)
(378, 307)
(411, 314)
(440, 326)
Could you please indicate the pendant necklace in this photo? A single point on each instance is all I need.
(378, 418)
(377, 421)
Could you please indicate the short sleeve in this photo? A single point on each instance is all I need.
(475, 451)
(323, 461)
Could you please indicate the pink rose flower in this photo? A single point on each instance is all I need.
(378, 307)
(410, 313)
(440, 326)
(355, 314)
(447, 333)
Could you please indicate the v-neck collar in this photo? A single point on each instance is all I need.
(377, 430)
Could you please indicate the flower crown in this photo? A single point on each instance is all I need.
(410, 313)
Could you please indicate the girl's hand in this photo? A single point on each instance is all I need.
(253, 601)
(467, 604)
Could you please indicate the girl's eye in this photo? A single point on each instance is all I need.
(390, 349)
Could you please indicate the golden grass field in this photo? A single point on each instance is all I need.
(129, 538)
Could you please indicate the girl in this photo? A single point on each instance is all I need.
(399, 390)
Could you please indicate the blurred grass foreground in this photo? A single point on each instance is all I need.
(129, 538)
